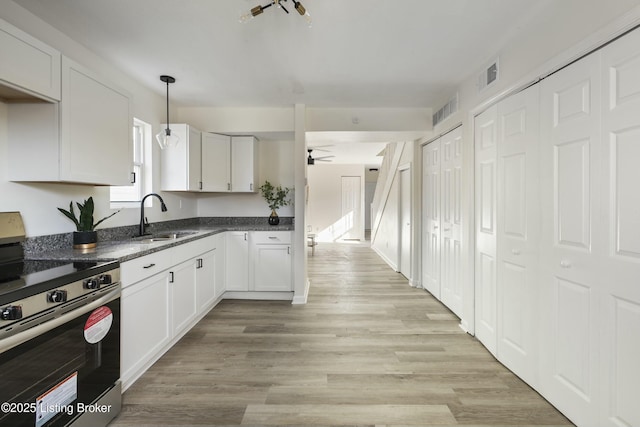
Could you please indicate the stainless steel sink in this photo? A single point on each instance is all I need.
(161, 237)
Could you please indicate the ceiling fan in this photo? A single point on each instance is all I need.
(312, 160)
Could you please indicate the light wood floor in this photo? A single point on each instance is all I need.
(367, 349)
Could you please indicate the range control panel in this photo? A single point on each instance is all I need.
(34, 304)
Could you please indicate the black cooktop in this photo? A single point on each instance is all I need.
(24, 278)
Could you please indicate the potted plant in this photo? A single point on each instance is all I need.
(85, 237)
(276, 197)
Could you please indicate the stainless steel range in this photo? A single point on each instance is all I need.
(59, 337)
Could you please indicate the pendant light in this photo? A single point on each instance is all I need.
(165, 138)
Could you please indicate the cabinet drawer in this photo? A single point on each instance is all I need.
(140, 268)
(192, 249)
(271, 237)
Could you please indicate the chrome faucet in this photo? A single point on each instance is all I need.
(143, 223)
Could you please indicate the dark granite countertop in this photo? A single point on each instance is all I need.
(124, 249)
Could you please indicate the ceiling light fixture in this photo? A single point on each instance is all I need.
(280, 4)
(165, 138)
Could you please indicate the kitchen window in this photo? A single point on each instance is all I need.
(131, 195)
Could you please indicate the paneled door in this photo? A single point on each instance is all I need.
(486, 141)
(518, 231)
(431, 218)
(351, 208)
(451, 233)
(405, 223)
(620, 316)
(570, 159)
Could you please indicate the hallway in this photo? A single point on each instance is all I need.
(367, 349)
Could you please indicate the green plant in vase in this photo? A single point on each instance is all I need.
(276, 197)
(85, 235)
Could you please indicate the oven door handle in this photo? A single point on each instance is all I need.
(15, 340)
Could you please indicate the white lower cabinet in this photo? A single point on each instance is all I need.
(182, 279)
(271, 264)
(237, 255)
(145, 328)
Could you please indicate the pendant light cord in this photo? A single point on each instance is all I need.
(168, 130)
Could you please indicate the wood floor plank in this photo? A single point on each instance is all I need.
(367, 349)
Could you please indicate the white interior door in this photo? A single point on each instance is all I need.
(451, 214)
(431, 218)
(405, 223)
(569, 173)
(485, 141)
(620, 316)
(518, 231)
(351, 207)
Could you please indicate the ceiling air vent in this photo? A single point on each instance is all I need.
(447, 109)
(488, 76)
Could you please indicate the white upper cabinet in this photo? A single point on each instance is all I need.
(28, 67)
(215, 163)
(85, 138)
(244, 163)
(181, 167)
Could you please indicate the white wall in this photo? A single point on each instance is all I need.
(558, 32)
(38, 201)
(276, 166)
(324, 208)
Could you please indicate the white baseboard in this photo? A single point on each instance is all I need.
(302, 299)
(264, 296)
(385, 259)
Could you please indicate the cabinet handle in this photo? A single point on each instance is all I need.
(149, 266)
(565, 264)
(200, 185)
(199, 263)
(228, 186)
(251, 187)
(515, 251)
(272, 237)
(171, 277)
(288, 250)
(435, 227)
(245, 236)
(133, 177)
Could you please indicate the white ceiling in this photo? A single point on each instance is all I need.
(358, 53)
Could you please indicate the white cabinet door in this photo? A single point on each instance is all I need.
(183, 296)
(206, 276)
(216, 168)
(620, 277)
(237, 261)
(146, 329)
(272, 268)
(244, 163)
(570, 162)
(96, 123)
(451, 220)
(27, 64)
(220, 264)
(486, 139)
(181, 165)
(431, 218)
(518, 231)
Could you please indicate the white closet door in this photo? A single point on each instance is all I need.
(620, 317)
(451, 234)
(518, 230)
(485, 140)
(431, 218)
(570, 159)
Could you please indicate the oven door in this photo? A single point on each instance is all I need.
(53, 372)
